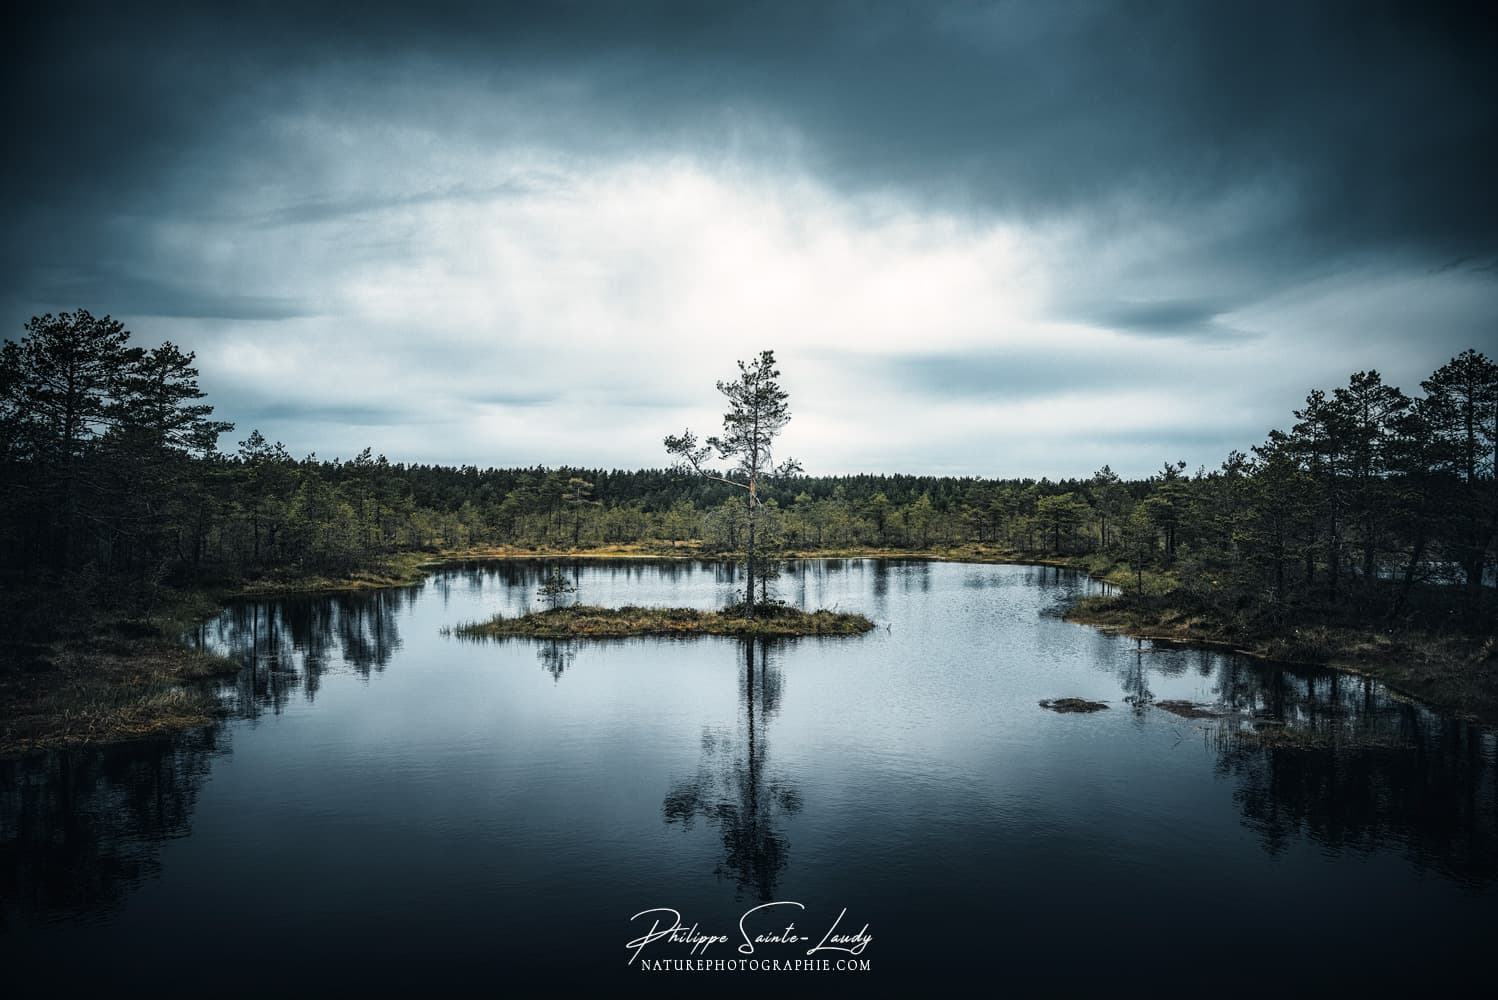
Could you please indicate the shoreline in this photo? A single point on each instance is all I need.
(126, 679)
(1453, 675)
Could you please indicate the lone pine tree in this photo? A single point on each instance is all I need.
(757, 413)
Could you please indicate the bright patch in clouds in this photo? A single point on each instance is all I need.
(578, 319)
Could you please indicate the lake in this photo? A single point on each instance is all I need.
(390, 807)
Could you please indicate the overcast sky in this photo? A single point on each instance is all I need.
(996, 239)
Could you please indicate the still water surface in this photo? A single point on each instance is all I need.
(389, 806)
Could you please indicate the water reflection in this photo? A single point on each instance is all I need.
(522, 576)
(1310, 756)
(1136, 680)
(1429, 795)
(80, 828)
(737, 788)
(286, 645)
(555, 656)
(1337, 758)
(1314, 752)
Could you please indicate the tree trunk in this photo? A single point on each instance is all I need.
(1417, 552)
(1279, 585)
(749, 551)
(1474, 568)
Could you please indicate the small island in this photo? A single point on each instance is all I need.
(581, 621)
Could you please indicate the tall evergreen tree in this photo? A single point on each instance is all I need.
(757, 413)
(1462, 409)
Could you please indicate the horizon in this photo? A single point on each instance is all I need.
(232, 439)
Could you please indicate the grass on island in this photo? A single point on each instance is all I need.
(581, 621)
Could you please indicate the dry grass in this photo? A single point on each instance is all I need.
(398, 570)
(585, 622)
(623, 550)
(694, 549)
(105, 689)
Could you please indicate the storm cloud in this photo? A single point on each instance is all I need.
(1015, 239)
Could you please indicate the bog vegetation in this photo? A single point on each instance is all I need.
(1371, 504)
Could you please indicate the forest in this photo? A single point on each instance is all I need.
(1372, 505)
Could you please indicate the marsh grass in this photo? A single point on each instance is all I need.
(580, 621)
(399, 569)
(107, 688)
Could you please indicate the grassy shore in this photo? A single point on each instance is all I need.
(121, 681)
(399, 569)
(695, 550)
(75, 671)
(585, 622)
(1456, 674)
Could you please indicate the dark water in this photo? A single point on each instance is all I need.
(392, 808)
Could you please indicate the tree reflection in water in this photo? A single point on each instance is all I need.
(555, 656)
(1136, 680)
(1311, 755)
(736, 787)
(1337, 758)
(80, 828)
(287, 645)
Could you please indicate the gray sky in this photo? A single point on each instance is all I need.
(998, 239)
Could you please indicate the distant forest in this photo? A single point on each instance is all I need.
(1370, 501)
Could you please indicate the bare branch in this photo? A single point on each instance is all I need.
(690, 457)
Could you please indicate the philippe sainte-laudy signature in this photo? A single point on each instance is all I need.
(759, 928)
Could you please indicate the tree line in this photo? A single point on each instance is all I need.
(1371, 502)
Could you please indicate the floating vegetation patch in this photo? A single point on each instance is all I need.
(1066, 705)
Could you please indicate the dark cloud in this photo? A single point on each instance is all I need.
(256, 413)
(1377, 119)
(1277, 143)
(310, 211)
(143, 295)
(1179, 318)
(996, 376)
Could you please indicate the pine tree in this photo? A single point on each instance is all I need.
(757, 413)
